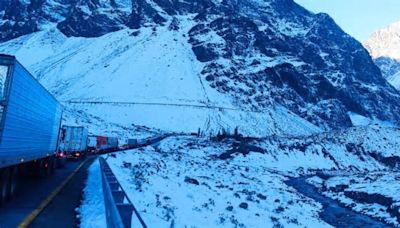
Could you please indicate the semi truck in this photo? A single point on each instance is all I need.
(29, 126)
(74, 141)
(102, 144)
(132, 143)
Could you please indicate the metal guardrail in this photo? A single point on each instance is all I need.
(119, 208)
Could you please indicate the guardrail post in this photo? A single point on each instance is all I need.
(118, 213)
(114, 186)
(125, 210)
(119, 196)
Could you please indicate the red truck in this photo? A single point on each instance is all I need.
(102, 144)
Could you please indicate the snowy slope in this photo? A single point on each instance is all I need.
(233, 56)
(384, 47)
(195, 182)
(150, 79)
(92, 210)
(187, 187)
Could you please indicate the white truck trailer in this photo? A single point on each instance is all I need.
(29, 127)
(74, 141)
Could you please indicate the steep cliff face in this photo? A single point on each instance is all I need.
(259, 54)
(384, 47)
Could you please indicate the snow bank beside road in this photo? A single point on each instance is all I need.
(92, 210)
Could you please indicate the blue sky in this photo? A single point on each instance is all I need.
(359, 18)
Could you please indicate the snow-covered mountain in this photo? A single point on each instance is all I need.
(384, 47)
(267, 67)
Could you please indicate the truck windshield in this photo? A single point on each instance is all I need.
(3, 77)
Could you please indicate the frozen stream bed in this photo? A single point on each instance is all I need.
(333, 212)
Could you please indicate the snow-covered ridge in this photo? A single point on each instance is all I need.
(384, 47)
(385, 42)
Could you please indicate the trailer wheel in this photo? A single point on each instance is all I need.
(14, 181)
(4, 185)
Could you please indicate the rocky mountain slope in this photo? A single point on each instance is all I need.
(254, 64)
(384, 46)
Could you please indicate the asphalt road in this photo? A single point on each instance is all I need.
(60, 212)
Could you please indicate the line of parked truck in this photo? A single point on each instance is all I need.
(75, 143)
(33, 141)
(135, 143)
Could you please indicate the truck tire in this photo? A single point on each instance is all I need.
(4, 185)
(14, 181)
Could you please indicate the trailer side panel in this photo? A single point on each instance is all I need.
(30, 119)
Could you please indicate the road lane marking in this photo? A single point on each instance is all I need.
(35, 213)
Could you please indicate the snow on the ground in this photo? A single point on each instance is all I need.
(376, 194)
(378, 182)
(359, 120)
(209, 120)
(350, 149)
(92, 210)
(181, 182)
(196, 182)
(188, 181)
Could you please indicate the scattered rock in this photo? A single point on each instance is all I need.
(279, 209)
(243, 205)
(127, 164)
(191, 181)
(261, 196)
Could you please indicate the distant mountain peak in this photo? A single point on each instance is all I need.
(385, 42)
(384, 47)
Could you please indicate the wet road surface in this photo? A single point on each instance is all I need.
(60, 212)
